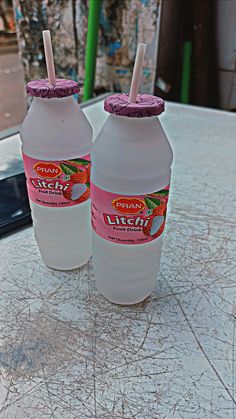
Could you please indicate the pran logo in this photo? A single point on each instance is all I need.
(47, 170)
(125, 205)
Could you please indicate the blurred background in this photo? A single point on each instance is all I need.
(190, 56)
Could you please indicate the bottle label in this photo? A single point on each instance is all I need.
(58, 183)
(128, 219)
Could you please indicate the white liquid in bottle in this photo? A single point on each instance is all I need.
(131, 157)
(56, 131)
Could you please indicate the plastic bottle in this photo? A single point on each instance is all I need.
(131, 170)
(56, 142)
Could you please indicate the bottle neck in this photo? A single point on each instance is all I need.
(53, 101)
(54, 106)
(134, 129)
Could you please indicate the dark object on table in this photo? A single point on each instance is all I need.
(14, 204)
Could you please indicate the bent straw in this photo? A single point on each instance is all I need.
(137, 73)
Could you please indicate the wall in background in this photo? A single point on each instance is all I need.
(226, 42)
(205, 24)
(122, 25)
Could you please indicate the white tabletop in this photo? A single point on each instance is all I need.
(66, 352)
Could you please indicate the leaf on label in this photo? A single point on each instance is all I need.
(80, 161)
(163, 192)
(68, 169)
(88, 185)
(152, 202)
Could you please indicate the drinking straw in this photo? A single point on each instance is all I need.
(91, 48)
(137, 73)
(49, 57)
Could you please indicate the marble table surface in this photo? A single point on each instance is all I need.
(67, 353)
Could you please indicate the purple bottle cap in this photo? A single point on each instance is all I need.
(42, 88)
(145, 106)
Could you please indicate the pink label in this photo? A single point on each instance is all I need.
(58, 183)
(128, 219)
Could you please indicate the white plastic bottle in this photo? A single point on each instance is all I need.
(56, 142)
(131, 170)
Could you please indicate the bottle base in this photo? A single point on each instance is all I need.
(63, 235)
(125, 301)
(60, 267)
(125, 274)
(64, 261)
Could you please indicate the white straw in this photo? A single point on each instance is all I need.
(49, 57)
(137, 73)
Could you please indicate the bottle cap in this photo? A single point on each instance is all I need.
(145, 105)
(43, 88)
